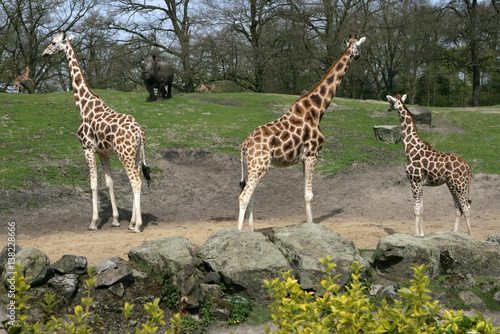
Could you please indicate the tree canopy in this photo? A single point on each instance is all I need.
(440, 53)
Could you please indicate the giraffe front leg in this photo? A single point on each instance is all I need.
(109, 184)
(419, 208)
(309, 164)
(90, 157)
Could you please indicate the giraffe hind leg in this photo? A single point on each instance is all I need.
(245, 198)
(462, 207)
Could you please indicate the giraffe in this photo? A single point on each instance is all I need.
(206, 88)
(21, 78)
(428, 167)
(293, 138)
(105, 132)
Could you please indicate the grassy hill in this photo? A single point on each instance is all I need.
(38, 142)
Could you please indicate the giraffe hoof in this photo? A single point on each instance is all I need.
(115, 224)
(92, 228)
(135, 230)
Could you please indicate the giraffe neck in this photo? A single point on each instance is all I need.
(81, 89)
(321, 95)
(409, 129)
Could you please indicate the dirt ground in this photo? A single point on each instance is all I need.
(195, 193)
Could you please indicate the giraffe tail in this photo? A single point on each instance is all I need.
(243, 154)
(146, 171)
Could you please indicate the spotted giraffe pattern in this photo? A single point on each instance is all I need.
(295, 137)
(428, 167)
(105, 132)
(21, 78)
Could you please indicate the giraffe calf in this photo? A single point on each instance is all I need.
(428, 167)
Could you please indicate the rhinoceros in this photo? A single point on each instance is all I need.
(157, 74)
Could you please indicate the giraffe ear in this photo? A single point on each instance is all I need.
(390, 98)
(70, 38)
(403, 98)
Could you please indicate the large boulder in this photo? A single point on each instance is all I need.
(243, 259)
(303, 245)
(6, 255)
(35, 266)
(71, 264)
(445, 253)
(172, 258)
(390, 134)
(421, 115)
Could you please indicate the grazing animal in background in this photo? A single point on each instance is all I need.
(428, 167)
(157, 74)
(105, 132)
(293, 138)
(206, 88)
(21, 78)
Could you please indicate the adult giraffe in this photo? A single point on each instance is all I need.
(105, 132)
(428, 167)
(295, 137)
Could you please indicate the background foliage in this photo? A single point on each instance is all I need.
(443, 53)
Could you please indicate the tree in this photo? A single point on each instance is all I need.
(28, 28)
(167, 27)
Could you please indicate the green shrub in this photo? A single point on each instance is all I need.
(297, 311)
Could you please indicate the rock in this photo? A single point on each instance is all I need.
(211, 291)
(212, 277)
(104, 265)
(470, 299)
(138, 275)
(64, 285)
(390, 134)
(496, 296)
(35, 266)
(243, 259)
(5, 256)
(421, 115)
(172, 258)
(445, 253)
(71, 264)
(120, 272)
(117, 289)
(494, 238)
(458, 281)
(304, 244)
(386, 291)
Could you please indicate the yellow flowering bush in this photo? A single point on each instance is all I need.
(297, 311)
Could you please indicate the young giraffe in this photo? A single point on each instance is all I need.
(21, 78)
(295, 137)
(428, 167)
(105, 132)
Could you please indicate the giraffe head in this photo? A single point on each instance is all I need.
(395, 101)
(58, 44)
(355, 45)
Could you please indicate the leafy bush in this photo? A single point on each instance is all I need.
(297, 311)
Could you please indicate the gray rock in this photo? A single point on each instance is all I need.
(304, 244)
(119, 273)
(35, 266)
(496, 296)
(5, 256)
(211, 291)
(390, 134)
(104, 265)
(458, 281)
(494, 238)
(172, 258)
(243, 259)
(138, 275)
(421, 115)
(117, 289)
(470, 299)
(65, 285)
(71, 264)
(212, 277)
(445, 253)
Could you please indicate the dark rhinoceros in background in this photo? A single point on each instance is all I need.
(157, 74)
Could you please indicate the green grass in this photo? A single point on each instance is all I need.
(38, 142)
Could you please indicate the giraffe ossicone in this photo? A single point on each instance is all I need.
(427, 167)
(105, 132)
(293, 138)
